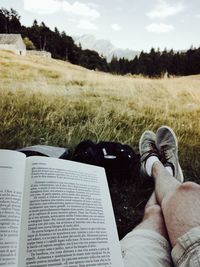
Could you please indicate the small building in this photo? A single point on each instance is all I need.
(13, 42)
(42, 53)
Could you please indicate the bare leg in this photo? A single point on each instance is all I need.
(180, 202)
(164, 182)
(153, 218)
(146, 245)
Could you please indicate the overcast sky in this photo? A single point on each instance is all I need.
(138, 25)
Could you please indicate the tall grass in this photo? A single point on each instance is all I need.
(45, 101)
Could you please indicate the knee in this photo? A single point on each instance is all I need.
(188, 187)
(181, 192)
(152, 211)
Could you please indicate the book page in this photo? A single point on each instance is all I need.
(12, 172)
(69, 216)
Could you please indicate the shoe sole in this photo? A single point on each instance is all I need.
(176, 142)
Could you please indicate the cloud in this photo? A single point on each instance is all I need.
(54, 6)
(72, 20)
(163, 10)
(197, 16)
(87, 25)
(160, 28)
(93, 5)
(118, 9)
(80, 9)
(42, 6)
(116, 27)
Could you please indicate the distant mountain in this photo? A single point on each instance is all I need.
(104, 47)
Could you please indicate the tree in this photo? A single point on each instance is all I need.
(4, 20)
(91, 60)
(9, 21)
(62, 46)
(29, 44)
(14, 22)
(56, 31)
(35, 23)
(114, 65)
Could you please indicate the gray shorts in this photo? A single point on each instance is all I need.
(142, 248)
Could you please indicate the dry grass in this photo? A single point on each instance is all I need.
(53, 102)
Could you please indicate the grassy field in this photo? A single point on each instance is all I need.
(46, 101)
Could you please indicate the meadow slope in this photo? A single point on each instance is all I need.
(46, 101)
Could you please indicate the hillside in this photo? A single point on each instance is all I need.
(125, 106)
(46, 101)
(153, 64)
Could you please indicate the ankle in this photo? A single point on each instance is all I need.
(149, 164)
(157, 167)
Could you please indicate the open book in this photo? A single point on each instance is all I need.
(55, 212)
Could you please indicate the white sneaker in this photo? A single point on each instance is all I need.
(167, 145)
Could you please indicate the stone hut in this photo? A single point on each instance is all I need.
(42, 53)
(13, 42)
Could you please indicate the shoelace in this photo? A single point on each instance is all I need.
(152, 150)
(165, 153)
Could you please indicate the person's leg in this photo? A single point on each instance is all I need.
(153, 217)
(165, 184)
(180, 202)
(147, 244)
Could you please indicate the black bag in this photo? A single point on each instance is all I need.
(120, 161)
